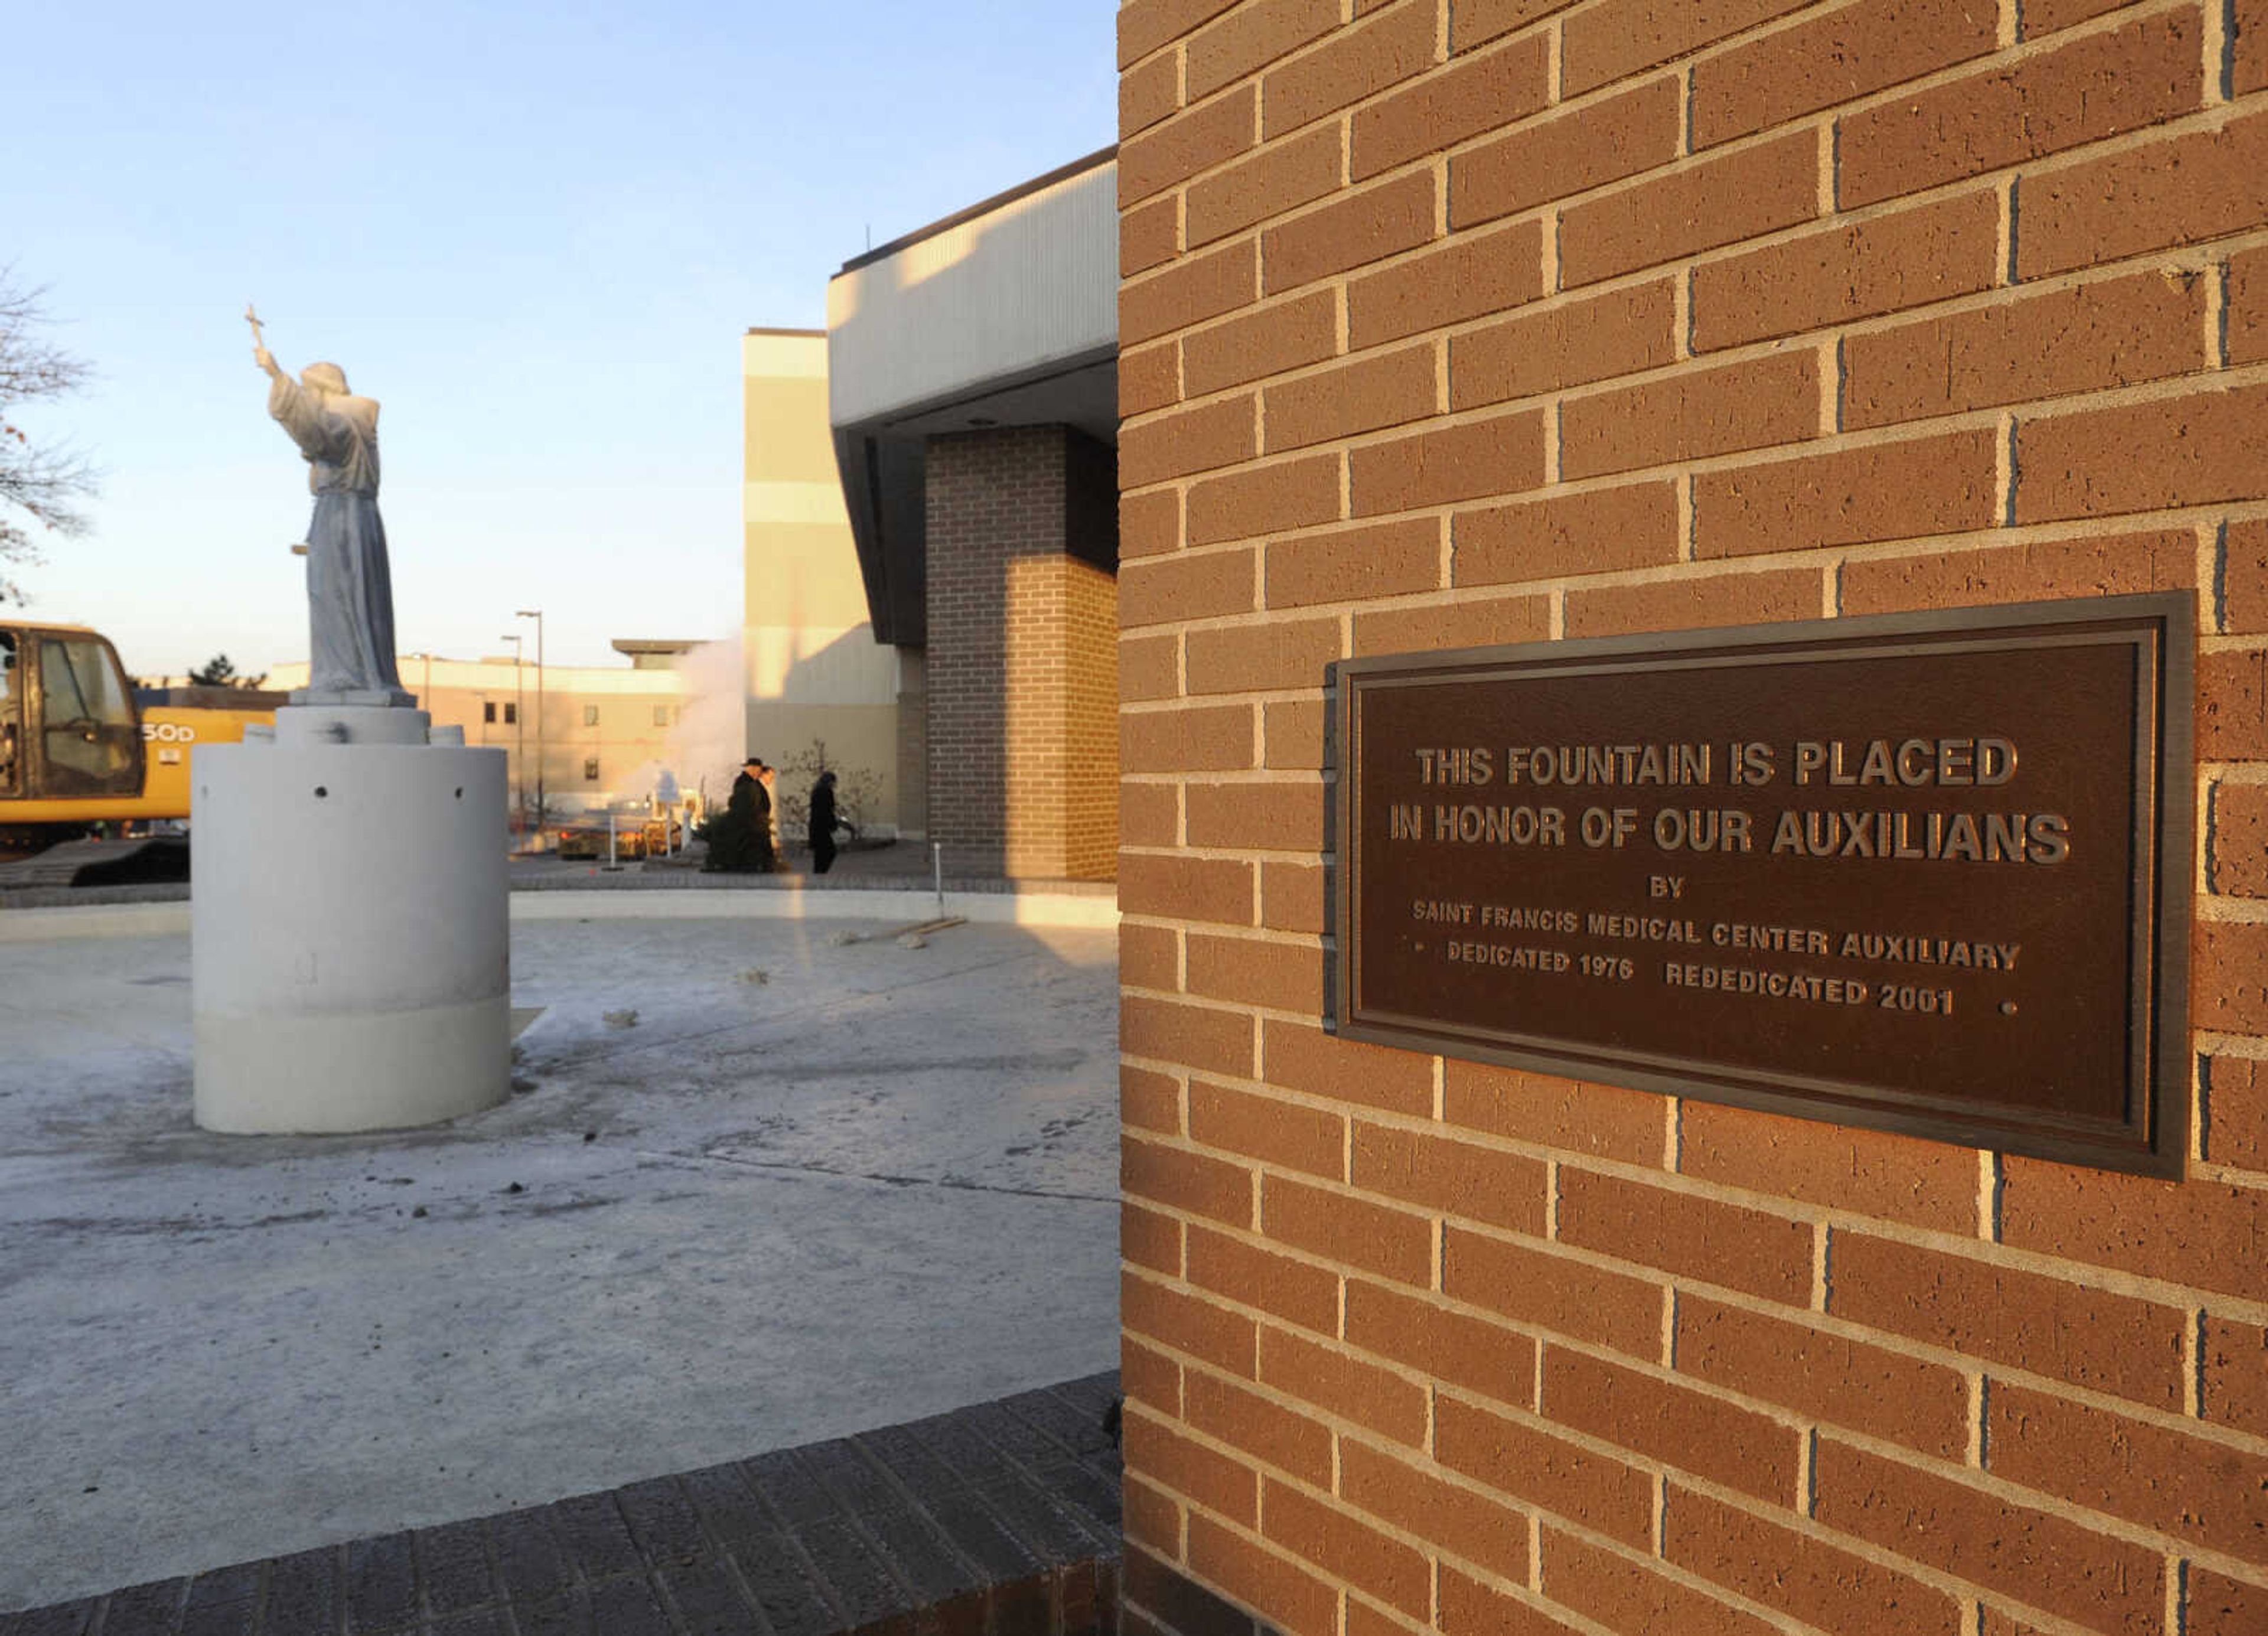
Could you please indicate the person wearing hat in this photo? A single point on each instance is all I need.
(741, 839)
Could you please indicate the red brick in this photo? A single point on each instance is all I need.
(1205, 286)
(1797, 1573)
(1202, 1037)
(1275, 817)
(1183, 1465)
(1149, 1375)
(1456, 1178)
(1353, 1232)
(1476, 22)
(2232, 724)
(1530, 1284)
(1150, 1101)
(2115, 332)
(1591, 531)
(1149, 378)
(1470, 96)
(1253, 1276)
(1501, 455)
(1280, 977)
(1673, 1423)
(2045, 17)
(2235, 1122)
(1289, 494)
(2249, 57)
(2198, 1233)
(1836, 58)
(1350, 1550)
(1477, 623)
(1148, 1239)
(2220, 1606)
(1621, 37)
(1599, 1120)
(1301, 1058)
(2135, 457)
(1618, 332)
(2062, 1566)
(1149, 814)
(1292, 1600)
(1372, 1397)
(1148, 94)
(1278, 178)
(1366, 59)
(1469, 1608)
(1676, 604)
(2115, 1343)
(1530, 1464)
(1363, 226)
(1185, 1181)
(1149, 524)
(2097, 86)
(1286, 335)
(1272, 1434)
(1149, 235)
(1682, 1233)
(1249, 38)
(1360, 396)
(1354, 564)
(1149, 667)
(1149, 957)
(1145, 25)
(1994, 1622)
(1742, 194)
(1188, 888)
(1186, 741)
(1453, 1518)
(1468, 278)
(1927, 1184)
(1167, 1317)
(1294, 732)
(2191, 1488)
(1182, 441)
(2244, 578)
(2231, 963)
(1287, 1134)
(1755, 404)
(1569, 153)
(1454, 1347)
(2038, 570)
(1291, 895)
(1923, 486)
(1272, 656)
(1830, 276)
(1625, 1594)
(1158, 590)
(1188, 142)
(2244, 322)
(2179, 190)
(1825, 1377)
(1152, 1516)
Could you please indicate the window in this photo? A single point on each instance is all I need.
(662, 715)
(92, 741)
(7, 712)
(590, 769)
(511, 714)
(488, 710)
(591, 719)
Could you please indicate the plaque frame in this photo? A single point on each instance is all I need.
(2157, 1134)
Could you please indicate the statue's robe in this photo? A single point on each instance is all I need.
(349, 592)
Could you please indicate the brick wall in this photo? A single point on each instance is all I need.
(1022, 672)
(1453, 321)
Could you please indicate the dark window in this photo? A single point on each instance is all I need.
(591, 719)
(591, 769)
(511, 714)
(89, 727)
(487, 712)
(7, 712)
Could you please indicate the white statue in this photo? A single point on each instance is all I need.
(349, 592)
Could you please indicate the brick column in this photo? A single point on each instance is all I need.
(1022, 657)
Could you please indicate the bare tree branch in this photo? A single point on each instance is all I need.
(39, 487)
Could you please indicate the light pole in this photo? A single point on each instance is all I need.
(536, 614)
(520, 721)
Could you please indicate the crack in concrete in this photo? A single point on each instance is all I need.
(883, 1178)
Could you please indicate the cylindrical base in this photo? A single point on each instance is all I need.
(349, 946)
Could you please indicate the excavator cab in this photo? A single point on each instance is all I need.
(68, 729)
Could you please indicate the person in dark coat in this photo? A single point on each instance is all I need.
(740, 837)
(823, 822)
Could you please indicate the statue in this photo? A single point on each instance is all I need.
(349, 592)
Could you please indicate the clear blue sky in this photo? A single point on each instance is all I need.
(534, 233)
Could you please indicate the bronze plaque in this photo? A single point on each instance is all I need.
(1928, 874)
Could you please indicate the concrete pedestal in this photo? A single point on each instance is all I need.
(349, 946)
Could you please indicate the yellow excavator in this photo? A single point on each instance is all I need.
(83, 755)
